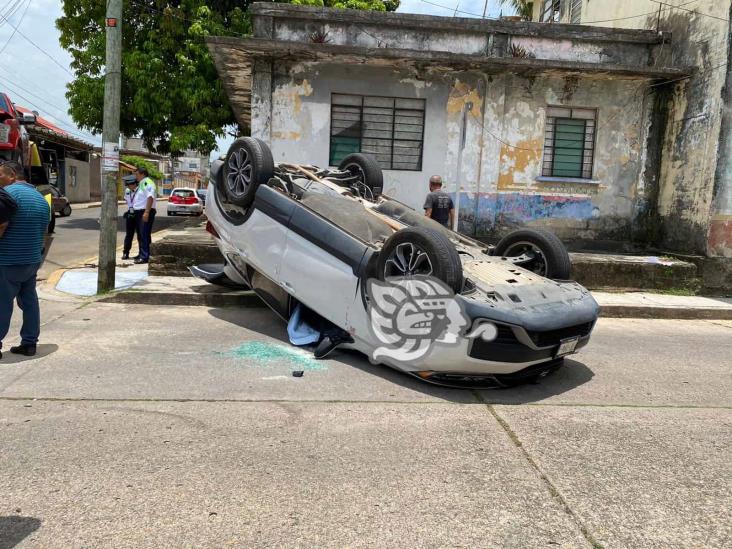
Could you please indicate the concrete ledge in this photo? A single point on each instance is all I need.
(661, 306)
(225, 299)
(667, 313)
(175, 290)
(601, 271)
(187, 245)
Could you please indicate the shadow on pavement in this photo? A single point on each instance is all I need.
(571, 375)
(568, 377)
(89, 224)
(15, 529)
(43, 350)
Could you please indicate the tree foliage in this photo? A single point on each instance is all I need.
(524, 8)
(171, 94)
(149, 165)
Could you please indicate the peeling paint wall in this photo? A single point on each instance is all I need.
(504, 147)
(695, 199)
(470, 41)
(300, 128)
(511, 193)
(690, 153)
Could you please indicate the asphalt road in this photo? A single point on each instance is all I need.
(77, 237)
(197, 435)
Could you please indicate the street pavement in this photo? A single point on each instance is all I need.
(77, 237)
(143, 426)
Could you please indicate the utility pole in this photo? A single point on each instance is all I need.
(110, 148)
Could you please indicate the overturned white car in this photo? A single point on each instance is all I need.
(389, 282)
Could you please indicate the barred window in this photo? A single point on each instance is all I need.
(575, 12)
(551, 11)
(389, 128)
(569, 142)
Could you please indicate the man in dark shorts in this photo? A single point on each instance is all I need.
(438, 205)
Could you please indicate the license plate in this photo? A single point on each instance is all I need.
(567, 346)
(4, 133)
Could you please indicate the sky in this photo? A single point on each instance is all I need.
(35, 69)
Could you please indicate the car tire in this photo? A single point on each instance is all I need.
(248, 165)
(443, 259)
(66, 211)
(552, 257)
(368, 168)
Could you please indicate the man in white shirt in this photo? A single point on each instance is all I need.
(131, 188)
(143, 203)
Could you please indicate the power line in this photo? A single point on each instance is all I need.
(44, 52)
(690, 11)
(637, 16)
(12, 10)
(454, 10)
(46, 101)
(60, 122)
(15, 29)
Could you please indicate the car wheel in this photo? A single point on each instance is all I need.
(248, 164)
(66, 211)
(546, 255)
(368, 170)
(420, 251)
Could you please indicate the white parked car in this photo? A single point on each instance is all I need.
(184, 201)
(328, 240)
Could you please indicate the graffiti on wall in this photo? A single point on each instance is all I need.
(482, 212)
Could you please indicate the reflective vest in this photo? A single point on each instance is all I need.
(148, 185)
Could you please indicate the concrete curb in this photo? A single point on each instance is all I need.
(661, 313)
(248, 299)
(245, 299)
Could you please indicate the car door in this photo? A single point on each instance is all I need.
(320, 264)
(260, 240)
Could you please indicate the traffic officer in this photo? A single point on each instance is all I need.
(144, 206)
(131, 188)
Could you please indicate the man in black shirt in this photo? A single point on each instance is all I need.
(438, 205)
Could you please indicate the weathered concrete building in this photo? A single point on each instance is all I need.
(559, 126)
(690, 206)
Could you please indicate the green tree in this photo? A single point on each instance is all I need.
(139, 162)
(524, 8)
(171, 94)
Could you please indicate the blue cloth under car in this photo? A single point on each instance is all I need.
(299, 331)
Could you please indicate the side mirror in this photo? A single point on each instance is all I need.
(27, 118)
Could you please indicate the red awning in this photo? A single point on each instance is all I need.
(42, 122)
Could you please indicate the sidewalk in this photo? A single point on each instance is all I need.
(176, 290)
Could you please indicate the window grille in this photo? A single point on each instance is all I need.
(569, 142)
(389, 128)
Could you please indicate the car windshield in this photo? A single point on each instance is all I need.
(183, 194)
(4, 104)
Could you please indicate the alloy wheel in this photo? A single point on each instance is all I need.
(406, 260)
(239, 173)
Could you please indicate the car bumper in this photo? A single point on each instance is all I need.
(185, 209)
(516, 348)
